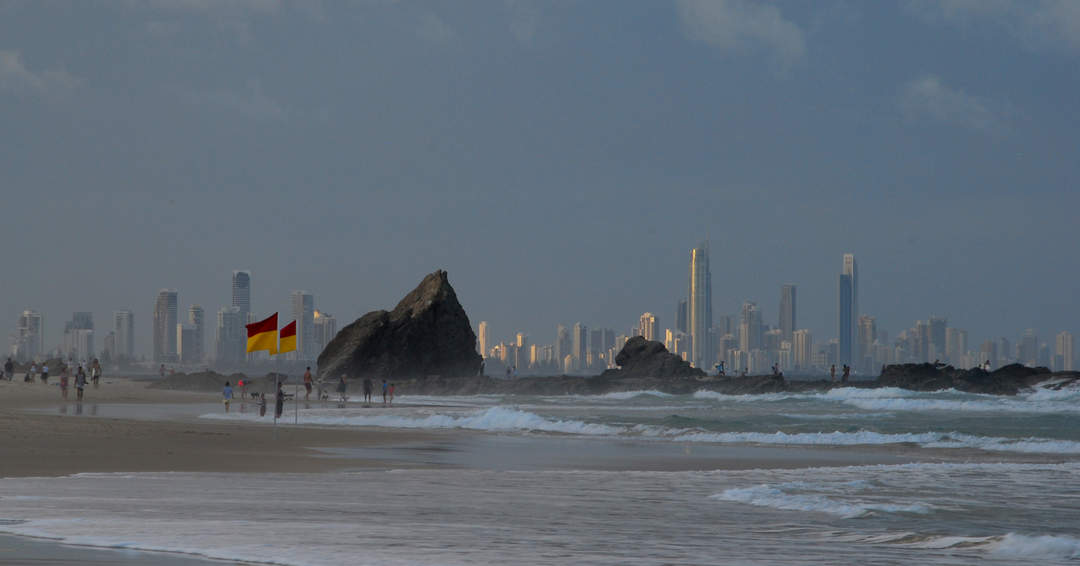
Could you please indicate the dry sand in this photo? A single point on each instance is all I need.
(34, 444)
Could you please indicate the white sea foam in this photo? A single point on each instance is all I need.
(1036, 547)
(781, 497)
(622, 395)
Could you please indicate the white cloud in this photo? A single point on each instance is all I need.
(928, 97)
(16, 79)
(741, 25)
(1038, 24)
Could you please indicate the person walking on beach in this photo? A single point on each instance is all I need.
(847, 373)
(391, 394)
(368, 386)
(307, 383)
(279, 401)
(385, 392)
(95, 372)
(9, 369)
(226, 395)
(64, 383)
(262, 404)
(832, 373)
(80, 384)
(341, 387)
(45, 373)
(29, 377)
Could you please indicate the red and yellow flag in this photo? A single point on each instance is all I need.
(288, 338)
(262, 335)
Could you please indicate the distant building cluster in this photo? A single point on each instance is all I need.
(744, 343)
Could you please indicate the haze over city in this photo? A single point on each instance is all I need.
(558, 160)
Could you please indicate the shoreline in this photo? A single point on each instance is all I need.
(23, 549)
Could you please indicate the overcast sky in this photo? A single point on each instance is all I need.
(558, 159)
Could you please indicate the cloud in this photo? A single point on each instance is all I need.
(927, 97)
(741, 25)
(1038, 24)
(17, 80)
(250, 102)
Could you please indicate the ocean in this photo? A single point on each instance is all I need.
(869, 476)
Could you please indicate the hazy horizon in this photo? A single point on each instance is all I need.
(558, 160)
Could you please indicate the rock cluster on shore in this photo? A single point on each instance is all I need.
(649, 358)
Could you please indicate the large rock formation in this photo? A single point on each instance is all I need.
(427, 333)
(1007, 380)
(648, 358)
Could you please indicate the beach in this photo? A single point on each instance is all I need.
(640, 477)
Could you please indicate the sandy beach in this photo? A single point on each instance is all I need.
(55, 444)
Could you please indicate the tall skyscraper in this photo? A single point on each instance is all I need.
(231, 338)
(699, 308)
(867, 334)
(848, 309)
(580, 338)
(124, 328)
(955, 345)
(79, 336)
(562, 343)
(482, 338)
(680, 316)
(303, 311)
(325, 326)
(787, 312)
(196, 351)
(1064, 351)
(802, 348)
(165, 326)
(1028, 348)
(938, 326)
(750, 327)
(29, 340)
(187, 347)
(241, 293)
(648, 326)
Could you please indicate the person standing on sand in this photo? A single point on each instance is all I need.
(29, 377)
(45, 374)
(385, 392)
(832, 373)
(391, 394)
(95, 372)
(368, 386)
(307, 383)
(80, 384)
(262, 404)
(226, 396)
(63, 383)
(9, 369)
(847, 373)
(341, 387)
(279, 401)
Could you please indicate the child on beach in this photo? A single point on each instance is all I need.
(80, 384)
(227, 396)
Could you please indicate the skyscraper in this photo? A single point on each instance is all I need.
(1064, 351)
(680, 316)
(580, 338)
(241, 293)
(1028, 348)
(802, 348)
(196, 350)
(787, 312)
(303, 311)
(699, 307)
(124, 327)
(325, 328)
(165, 326)
(231, 336)
(750, 327)
(867, 333)
(562, 343)
(482, 338)
(938, 326)
(648, 326)
(29, 339)
(848, 309)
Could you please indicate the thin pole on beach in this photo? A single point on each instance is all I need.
(296, 402)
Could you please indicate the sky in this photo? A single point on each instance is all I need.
(558, 159)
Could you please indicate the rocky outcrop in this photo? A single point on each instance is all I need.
(427, 334)
(649, 358)
(1007, 380)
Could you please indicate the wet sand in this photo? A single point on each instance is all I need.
(44, 552)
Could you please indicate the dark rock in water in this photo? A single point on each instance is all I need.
(1007, 380)
(649, 358)
(427, 334)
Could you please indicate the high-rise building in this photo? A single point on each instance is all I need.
(230, 344)
(325, 328)
(699, 308)
(1064, 351)
(955, 345)
(867, 335)
(680, 316)
(750, 327)
(562, 343)
(165, 311)
(482, 338)
(938, 326)
(29, 340)
(195, 349)
(848, 309)
(648, 327)
(241, 293)
(303, 311)
(580, 338)
(802, 346)
(187, 345)
(124, 327)
(79, 336)
(787, 311)
(1028, 348)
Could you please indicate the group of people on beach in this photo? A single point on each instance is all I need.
(91, 374)
(342, 390)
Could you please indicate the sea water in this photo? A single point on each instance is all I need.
(583, 480)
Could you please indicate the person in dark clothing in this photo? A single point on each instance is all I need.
(368, 387)
(847, 373)
(279, 406)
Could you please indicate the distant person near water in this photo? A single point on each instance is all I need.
(161, 370)
(226, 395)
(307, 383)
(45, 374)
(64, 382)
(95, 372)
(279, 401)
(385, 392)
(80, 384)
(341, 387)
(832, 373)
(9, 369)
(847, 373)
(30, 373)
(391, 393)
(368, 387)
